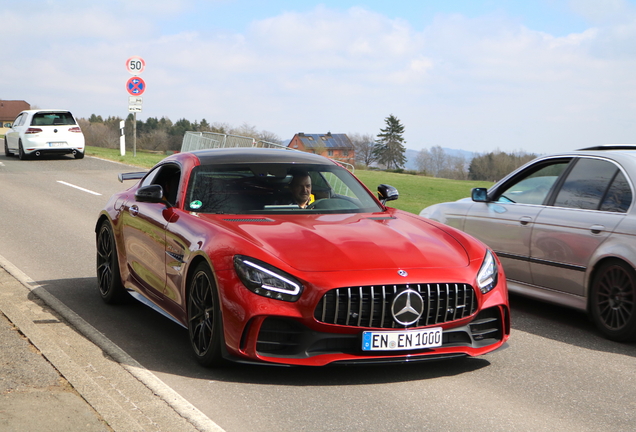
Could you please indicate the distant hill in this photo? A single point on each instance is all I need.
(411, 156)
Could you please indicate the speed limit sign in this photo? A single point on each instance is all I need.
(135, 65)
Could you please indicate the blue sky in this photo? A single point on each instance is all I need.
(481, 75)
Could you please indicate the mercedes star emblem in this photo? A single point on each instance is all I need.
(407, 307)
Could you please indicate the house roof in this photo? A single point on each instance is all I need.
(328, 140)
(9, 109)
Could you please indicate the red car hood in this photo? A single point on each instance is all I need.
(353, 242)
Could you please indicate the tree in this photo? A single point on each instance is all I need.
(495, 165)
(389, 148)
(364, 148)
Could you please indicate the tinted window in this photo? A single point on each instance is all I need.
(619, 195)
(52, 118)
(19, 120)
(534, 187)
(586, 184)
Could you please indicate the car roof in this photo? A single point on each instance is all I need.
(618, 152)
(258, 155)
(33, 111)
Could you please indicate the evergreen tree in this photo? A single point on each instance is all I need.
(389, 148)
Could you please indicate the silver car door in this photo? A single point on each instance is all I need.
(506, 222)
(585, 211)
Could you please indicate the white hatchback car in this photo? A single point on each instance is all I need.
(38, 132)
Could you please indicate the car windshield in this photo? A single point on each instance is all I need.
(52, 119)
(273, 188)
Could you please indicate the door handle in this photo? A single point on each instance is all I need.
(525, 220)
(597, 229)
(134, 210)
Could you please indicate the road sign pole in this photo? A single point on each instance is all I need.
(134, 134)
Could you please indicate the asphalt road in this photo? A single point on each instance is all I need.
(557, 373)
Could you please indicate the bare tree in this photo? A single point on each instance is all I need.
(99, 134)
(157, 139)
(269, 137)
(495, 165)
(364, 144)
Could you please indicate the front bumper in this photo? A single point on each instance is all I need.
(287, 341)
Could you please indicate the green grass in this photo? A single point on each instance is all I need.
(143, 159)
(416, 192)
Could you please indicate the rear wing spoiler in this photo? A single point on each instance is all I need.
(131, 176)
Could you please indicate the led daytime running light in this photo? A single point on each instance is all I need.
(293, 292)
(488, 273)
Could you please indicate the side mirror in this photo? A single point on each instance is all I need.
(387, 193)
(151, 193)
(479, 194)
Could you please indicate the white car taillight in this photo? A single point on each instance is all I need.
(32, 130)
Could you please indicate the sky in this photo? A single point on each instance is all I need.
(478, 75)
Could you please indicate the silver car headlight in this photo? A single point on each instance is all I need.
(266, 280)
(488, 274)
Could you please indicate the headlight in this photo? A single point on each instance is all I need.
(488, 273)
(266, 280)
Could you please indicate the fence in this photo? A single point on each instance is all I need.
(211, 140)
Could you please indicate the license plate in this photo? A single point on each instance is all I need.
(57, 144)
(402, 340)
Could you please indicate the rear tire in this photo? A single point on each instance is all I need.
(109, 281)
(21, 154)
(612, 301)
(7, 153)
(79, 155)
(204, 317)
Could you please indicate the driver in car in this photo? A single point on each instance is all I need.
(300, 187)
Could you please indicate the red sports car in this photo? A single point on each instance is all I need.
(285, 257)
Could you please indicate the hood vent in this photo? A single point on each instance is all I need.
(248, 220)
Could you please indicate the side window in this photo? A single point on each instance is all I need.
(586, 184)
(533, 188)
(168, 177)
(19, 120)
(619, 196)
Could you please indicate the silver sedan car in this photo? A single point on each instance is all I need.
(564, 228)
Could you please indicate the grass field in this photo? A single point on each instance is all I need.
(416, 192)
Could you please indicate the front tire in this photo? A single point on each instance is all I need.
(109, 281)
(612, 301)
(204, 317)
(7, 153)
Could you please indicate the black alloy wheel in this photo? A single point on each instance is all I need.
(7, 153)
(204, 317)
(109, 282)
(612, 302)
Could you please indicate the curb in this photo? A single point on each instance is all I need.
(127, 395)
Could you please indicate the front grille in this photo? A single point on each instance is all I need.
(370, 306)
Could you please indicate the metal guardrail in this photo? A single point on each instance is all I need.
(211, 140)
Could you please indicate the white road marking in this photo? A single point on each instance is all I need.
(77, 187)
